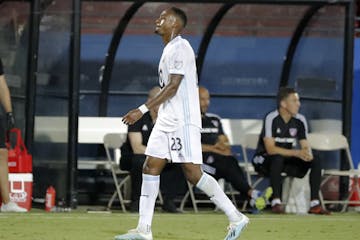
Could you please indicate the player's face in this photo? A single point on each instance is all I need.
(204, 100)
(164, 23)
(292, 103)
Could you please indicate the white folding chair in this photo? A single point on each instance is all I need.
(333, 142)
(112, 144)
(326, 125)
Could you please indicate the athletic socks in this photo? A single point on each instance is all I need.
(314, 203)
(275, 201)
(210, 186)
(149, 192)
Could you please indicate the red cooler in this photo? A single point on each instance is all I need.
(20, 185)
(20, 170)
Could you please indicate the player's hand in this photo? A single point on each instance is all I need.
(132, 117)
(304, 154)
(10, 121)
(223, 148)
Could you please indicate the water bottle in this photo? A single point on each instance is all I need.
(50, 199)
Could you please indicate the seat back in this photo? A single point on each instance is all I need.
(327, 141)
(251, 140)
(326, 125)
(323, 141)
(236, 129)
(113, 142)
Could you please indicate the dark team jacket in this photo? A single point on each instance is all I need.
(211, 128)
(286, 135)
(144, 126)
(1, 68)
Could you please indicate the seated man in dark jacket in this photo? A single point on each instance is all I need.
(217, 156)
(283, 147)
(172, 181)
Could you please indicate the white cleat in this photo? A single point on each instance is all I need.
(134, 234)
(235, 228)
(12, 207)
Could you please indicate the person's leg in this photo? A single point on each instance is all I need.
(149, 191)
(227, 167)
(315, 178)
(4, 181)
(276, 167)
(296, 167)
(172, 184)
(7, 206)
(315, 181)
(210, 186)
(136, 179)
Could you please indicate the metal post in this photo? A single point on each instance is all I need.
(347, 88)
(34, 24)
(71, 195)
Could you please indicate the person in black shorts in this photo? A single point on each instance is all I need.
(172, 181)
(283, 147)
(7, 205)
(218, 159)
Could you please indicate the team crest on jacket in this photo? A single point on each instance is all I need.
(215, 123)
(293, 131)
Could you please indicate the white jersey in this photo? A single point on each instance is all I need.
(183, 108)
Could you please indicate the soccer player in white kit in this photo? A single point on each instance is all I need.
(176, 135)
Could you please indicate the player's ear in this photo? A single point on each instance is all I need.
(282, 104)
(173, 21)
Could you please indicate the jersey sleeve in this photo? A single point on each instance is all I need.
(221, 130)
(177, 61)
(303, 131)
(135, 127)
(268, 124)
(303, 127)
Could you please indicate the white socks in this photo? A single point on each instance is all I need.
(314, 203)
(149, 192)
(275, 201)
(210, 186)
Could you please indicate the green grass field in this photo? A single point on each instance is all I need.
(77, 225)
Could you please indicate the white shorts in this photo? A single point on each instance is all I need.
(181, 146)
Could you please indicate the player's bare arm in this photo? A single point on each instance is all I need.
(222, 146)
(306, 150)
(5, 95)
(272, 149)
(136, 139)
(167, 92)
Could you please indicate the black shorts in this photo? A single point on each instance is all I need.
(294, 167)
(2, 132)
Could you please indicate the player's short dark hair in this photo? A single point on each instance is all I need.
(283, 93)
(181, 14)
